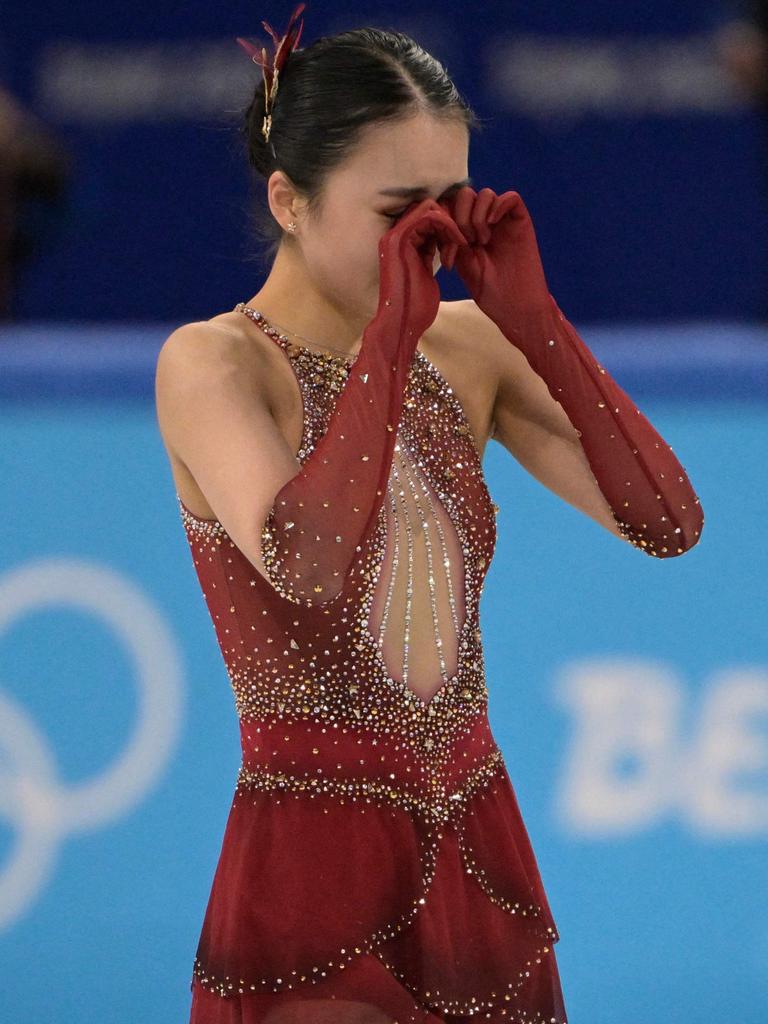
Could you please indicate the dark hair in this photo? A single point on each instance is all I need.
(327, 94)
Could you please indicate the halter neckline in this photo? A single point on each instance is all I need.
(261, 321)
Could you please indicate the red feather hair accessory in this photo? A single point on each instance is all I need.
(283, 47)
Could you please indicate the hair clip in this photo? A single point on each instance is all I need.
(283, 47)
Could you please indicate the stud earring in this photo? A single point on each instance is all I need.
(291, 226)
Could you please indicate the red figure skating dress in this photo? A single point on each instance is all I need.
(375, 867)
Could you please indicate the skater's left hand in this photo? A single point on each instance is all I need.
(500, 266)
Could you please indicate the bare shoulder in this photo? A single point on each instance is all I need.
(453, 313)
(191, 351)
(210, 351)
(463, 326)
(210, 344)
(471, 340)
(505, 361)
(515, 394)
(198, 358)
(464, 318)
(460, 344)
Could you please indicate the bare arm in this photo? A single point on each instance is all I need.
(306, 526)
(532, 426)
(214, 416)
(535, 428)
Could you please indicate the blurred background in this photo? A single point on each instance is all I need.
(629, 694)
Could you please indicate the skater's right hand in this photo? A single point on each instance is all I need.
(407, 285)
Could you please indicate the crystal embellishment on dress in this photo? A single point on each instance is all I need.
(371, 787)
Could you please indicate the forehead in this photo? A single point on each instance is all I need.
(422, 151)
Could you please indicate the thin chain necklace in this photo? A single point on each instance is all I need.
(285, 330)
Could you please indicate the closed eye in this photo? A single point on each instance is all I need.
(394, 216)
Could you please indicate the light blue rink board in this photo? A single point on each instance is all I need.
(629, 695)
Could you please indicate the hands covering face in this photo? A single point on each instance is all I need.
(491, 242)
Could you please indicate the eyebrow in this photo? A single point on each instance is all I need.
(404, 192)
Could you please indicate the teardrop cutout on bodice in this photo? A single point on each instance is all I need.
(418, 609)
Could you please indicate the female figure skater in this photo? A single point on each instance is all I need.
(325, 439)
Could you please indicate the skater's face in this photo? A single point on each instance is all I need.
(394, 166)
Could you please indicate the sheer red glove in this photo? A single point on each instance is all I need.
(646, 487)
(322, 517)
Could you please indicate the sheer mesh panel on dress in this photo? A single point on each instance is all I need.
(418, 610)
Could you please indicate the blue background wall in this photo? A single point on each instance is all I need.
(629, 694)
(643, 169)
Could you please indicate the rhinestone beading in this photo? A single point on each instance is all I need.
(336, 709)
